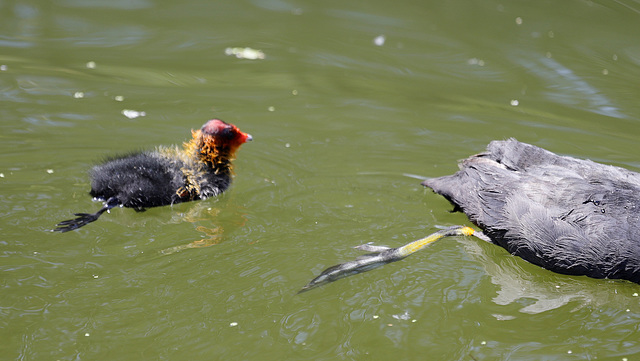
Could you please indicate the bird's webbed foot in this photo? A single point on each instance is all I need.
(85, 218)
(371, 248)
(72, 224)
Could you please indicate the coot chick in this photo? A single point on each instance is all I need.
(167, 175)
(567, 215)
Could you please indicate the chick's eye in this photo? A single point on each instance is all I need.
(227, 133)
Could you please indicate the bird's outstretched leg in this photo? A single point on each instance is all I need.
(86, 218)
(381, 256)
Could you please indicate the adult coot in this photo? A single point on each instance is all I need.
(567, 215)
(200, 169)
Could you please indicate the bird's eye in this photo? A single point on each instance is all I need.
(227, 133)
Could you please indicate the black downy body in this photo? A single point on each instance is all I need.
(168, 175)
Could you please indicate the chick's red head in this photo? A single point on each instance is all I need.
(225, 133)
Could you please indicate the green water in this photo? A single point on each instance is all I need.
(343, 131)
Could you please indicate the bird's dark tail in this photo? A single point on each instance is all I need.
(85, 218)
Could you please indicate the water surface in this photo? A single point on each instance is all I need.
(352, 104)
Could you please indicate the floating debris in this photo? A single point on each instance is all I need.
(132, 114)
(78, 95)
(118, 98)
(91, 65)
(245, 53)
(3, 68)
(379, 40)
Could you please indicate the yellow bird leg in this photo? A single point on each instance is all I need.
(415, 246)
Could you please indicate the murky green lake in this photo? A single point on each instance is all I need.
(353, 104)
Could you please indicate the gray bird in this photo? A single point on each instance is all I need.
(567, 215)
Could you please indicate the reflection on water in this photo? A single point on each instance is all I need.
(569, 88)
(544, 291)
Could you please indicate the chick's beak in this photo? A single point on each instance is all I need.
(247, 137)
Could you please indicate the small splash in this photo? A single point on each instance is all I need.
(403, 316)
